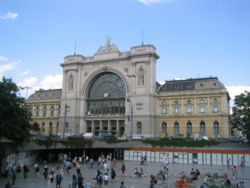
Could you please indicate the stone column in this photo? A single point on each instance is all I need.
(92, 127)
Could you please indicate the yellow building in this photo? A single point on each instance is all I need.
(193, 107)
(45, 108)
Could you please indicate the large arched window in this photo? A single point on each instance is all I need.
(216, 105)
(106, 95)
(189, 128)
(164, 127)
(139, 127)
(216, 128)
(202, 106)
(189, 106)
(176, 107)
(164, 107)
(176, 129)
(202, 128)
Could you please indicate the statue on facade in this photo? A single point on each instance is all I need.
(141, 76)
(70, 83)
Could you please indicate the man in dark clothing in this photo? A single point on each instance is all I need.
(25, 171)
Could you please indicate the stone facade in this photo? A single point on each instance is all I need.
(117, 92)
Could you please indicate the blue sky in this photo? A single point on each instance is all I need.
(194, 38)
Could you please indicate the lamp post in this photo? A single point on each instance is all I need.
(65, 116)
(131, 108)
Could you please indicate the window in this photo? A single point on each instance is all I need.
(189, 107)
(164, 127)
(202, 128)
(139, 128)
(176, 129)
(52, 109)
(43, 127)
(37, 111)
(176, 107)
(216, 105)
(164, 107)
(50, 128)
(189, 128)
(216, 128)
(44, 111)
(202, 106)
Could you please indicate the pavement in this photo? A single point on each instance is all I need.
(129, 179)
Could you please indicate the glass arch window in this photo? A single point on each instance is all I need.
(202, 106)
(164, 107)
(164, 127)
(216, 128)
(216, 105)
(189, 128)
(139, 128)
(189, 106)
(176, 128)
(202, 128)
(176, 107)
(106, 95)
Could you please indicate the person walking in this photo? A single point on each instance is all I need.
(123, 168)
(122, 185)
(74, 181)
(80, 181)
(228, 163)
(13, 176)
(58, 180)
(99, 180)
(106, 180)
(91, 162)
(25, 171)
(113, 173)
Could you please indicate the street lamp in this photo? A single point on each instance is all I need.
(131, 108)
(65, 115)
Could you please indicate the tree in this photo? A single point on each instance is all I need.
(15, 116)
(241, 113)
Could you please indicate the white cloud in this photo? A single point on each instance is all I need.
(9, 15)
(2, 58)
(24, 73)
(237, 90)
(149, 2)
(52, 82)
(27, 82)
(7, 67)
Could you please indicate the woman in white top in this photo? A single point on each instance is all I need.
(106, 179)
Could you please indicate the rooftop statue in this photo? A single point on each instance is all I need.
(108, 47)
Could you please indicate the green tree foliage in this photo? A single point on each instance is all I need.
(14, 113)
(241, 113)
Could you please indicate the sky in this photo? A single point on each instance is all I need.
(194, 38)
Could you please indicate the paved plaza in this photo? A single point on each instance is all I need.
(129, 179)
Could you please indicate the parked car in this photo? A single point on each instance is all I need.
(137, 137)
(238, 139)
(88, 135)
(106, 134)
(122, 137)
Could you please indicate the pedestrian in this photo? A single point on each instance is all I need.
(58, 180)
(80, 181)
(123, 168)
(45, 171)
(13, 176)
(18, 170)
(74, 181)
(25, 171)
(7, 185)
(113, 173)
(78, 168)
(106, 179)
(153, 181)
(88, 184)
(242, 162)
(37, 169)
(145, 160)
(50, 180)
(113, 162)
(99, 180)
(228, 163)
(122, 185)
(142, 161)
(91, 162)
(234, 172)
